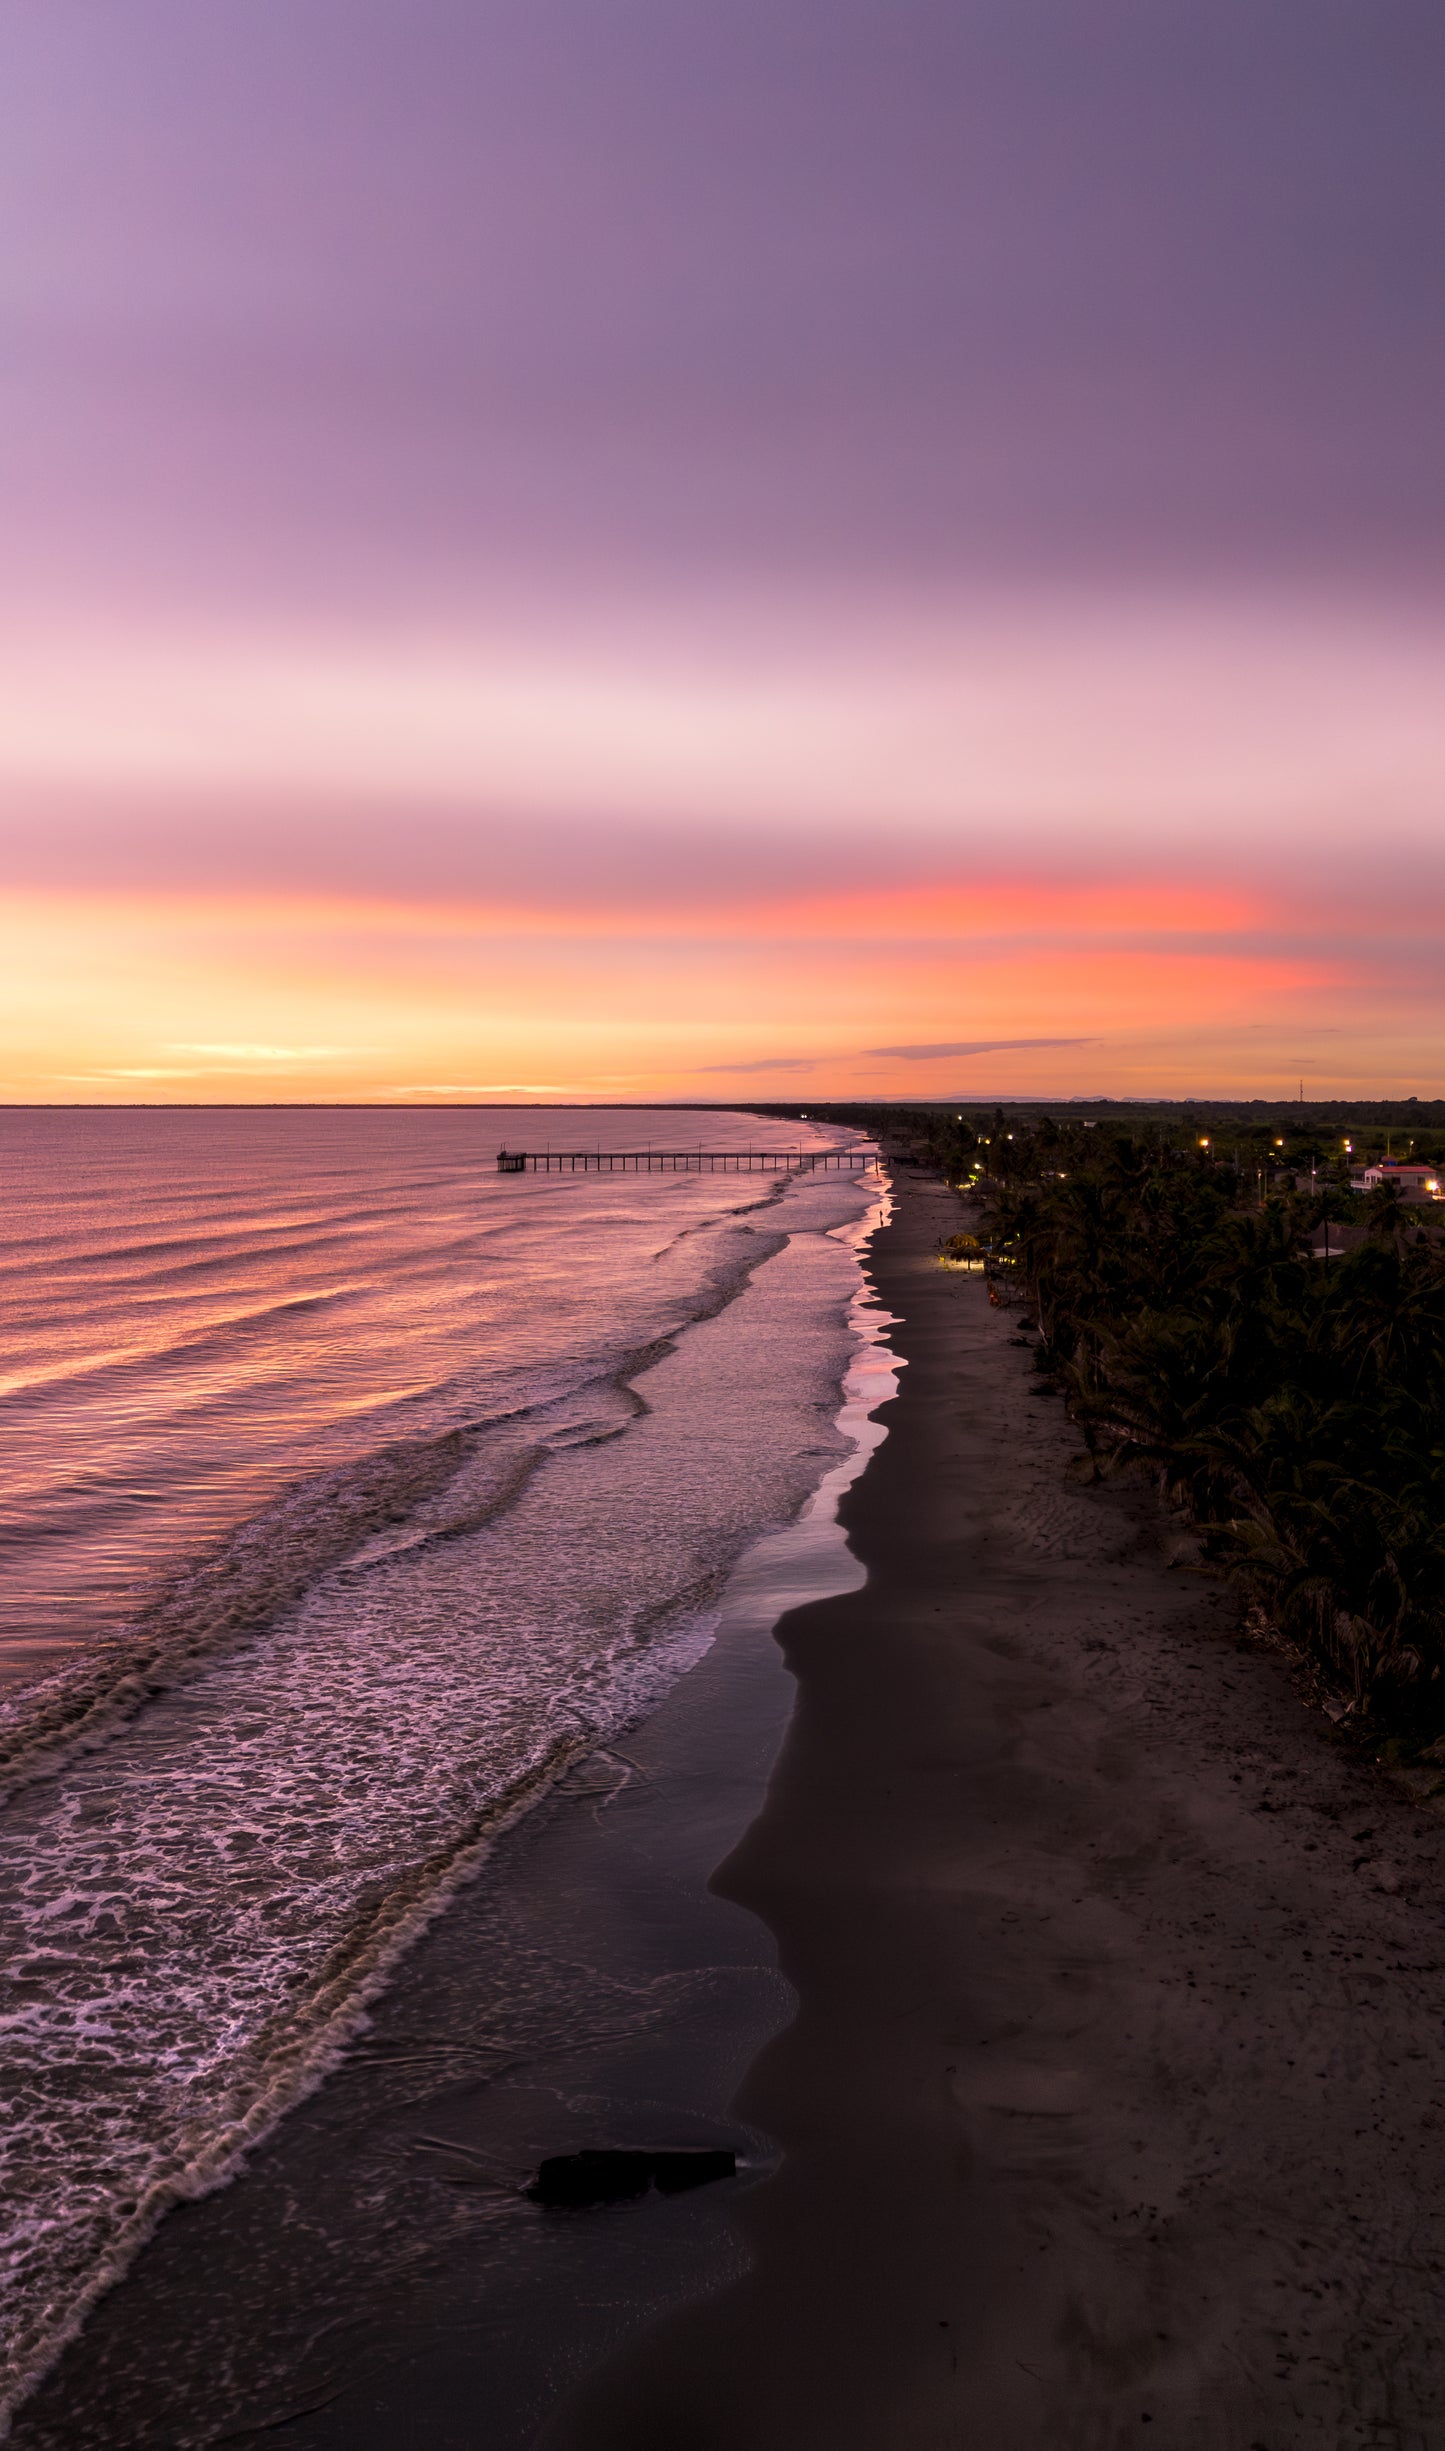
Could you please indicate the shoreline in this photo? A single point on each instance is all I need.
(267, 1841)
(583, 1988)
(1111, 2098)
(1072, 2001)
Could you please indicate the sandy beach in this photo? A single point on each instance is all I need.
(1099, 2103)
(661, 656)
(1111, 2110)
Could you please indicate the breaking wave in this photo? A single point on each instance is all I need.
(226, 1820)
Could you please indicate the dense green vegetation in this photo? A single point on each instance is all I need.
(1250, 1134)
(1293, 1408)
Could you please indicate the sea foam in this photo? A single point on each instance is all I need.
(232, 1815)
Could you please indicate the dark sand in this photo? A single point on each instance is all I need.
(378, 2279)
(1109, 2112)
(1112, 2110)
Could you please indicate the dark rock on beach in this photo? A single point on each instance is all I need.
(616, 2175)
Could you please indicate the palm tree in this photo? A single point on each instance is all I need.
(1298, 1414)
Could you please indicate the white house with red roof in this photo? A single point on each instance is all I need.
(1415, 1182)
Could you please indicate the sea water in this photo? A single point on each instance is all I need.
(338, 1522)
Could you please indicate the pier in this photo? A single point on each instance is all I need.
(857, 1160)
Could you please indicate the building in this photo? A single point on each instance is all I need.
(1415, 1182)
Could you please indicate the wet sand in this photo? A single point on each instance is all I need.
(1111, 2112)
(1108, 2113)
(378, 2279)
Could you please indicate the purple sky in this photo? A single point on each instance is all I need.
(763, 340)
(320, 300)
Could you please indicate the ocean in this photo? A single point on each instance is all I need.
(352, 1492)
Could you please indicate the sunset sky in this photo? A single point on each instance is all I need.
(640, 549)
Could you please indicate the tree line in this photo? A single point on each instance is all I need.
(1293, 1408)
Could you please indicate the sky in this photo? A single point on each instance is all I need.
(656, 550)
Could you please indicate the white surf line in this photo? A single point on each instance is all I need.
(810, 1558)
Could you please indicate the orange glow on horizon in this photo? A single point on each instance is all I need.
(1068, 837)
(584, 608)
(189, 996)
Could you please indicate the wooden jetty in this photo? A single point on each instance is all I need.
(857, 1160)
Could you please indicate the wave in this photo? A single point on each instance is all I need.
(287, 2061)
(209, 1339)
(356, 1656)
(233, 1589)
(243, 1581)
